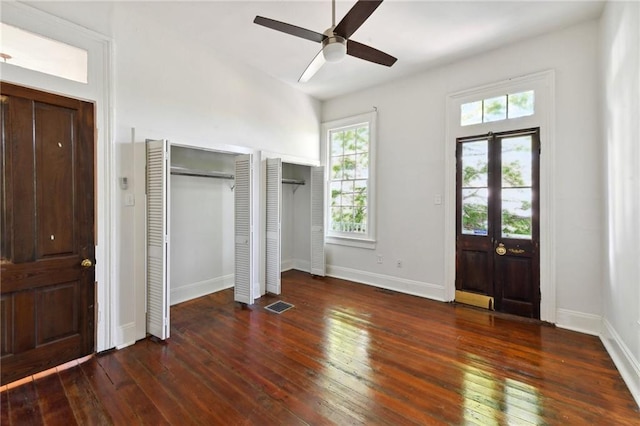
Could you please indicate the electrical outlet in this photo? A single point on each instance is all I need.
(379, 258)
(437, 200)
(399, 263)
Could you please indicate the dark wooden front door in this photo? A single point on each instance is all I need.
(47, 247)
(497, 231)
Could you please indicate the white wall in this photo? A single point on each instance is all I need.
(411, 172)
(192, 97)
(169, 86)
(621, 131)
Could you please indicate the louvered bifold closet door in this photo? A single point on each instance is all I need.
(157, 190)
(273, 219)
(317, 221)
(243, 278)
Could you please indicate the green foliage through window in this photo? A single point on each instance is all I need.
(349, 173)
(516, 192)
(498, 108)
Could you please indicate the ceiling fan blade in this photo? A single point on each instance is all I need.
(313, 68)
(356, 17)
(289, 29)
(370, 54)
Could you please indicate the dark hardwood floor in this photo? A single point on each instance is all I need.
(345, 354)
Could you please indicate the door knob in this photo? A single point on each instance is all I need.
(501, 250)
(86, 263)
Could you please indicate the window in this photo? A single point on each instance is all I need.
(32, 51)
(497, 108)
(350, 145)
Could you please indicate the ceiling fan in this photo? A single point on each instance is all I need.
(335, 40)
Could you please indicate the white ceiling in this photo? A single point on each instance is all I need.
(420, 33)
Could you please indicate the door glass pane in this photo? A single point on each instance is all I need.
(516, 213)
(475, 162)
(516, 162)
(475, 211)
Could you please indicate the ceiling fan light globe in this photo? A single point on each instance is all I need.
(335, 49)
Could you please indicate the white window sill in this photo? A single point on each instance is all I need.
(351, 242)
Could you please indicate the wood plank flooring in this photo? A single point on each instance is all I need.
(345, 354)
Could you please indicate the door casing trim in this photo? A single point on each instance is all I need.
(544, 85)
(99, 90)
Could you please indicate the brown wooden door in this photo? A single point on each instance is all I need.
(497, 231)
(47, 295)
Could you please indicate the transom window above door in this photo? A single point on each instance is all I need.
(497, 108)
(34, 52)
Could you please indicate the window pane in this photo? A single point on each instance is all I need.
(347, 199)
(32, 51)
(360, 219)
(362, 166)
(336, 194)
(349, 166)
(521, 104)
(360, 190)
(349, 141)
(347, 187)
(516, 162)
(475, 160)
(347, 219)
(336, 143)
(336, 168)
(471, 113)
(475, 212)
(362, 139)
(516, 213)
(495, 109)
(336, 218)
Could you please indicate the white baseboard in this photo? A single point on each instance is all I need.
(623, 358)
(125, 335)
(202, 288)
(579, 321)
(297, 264)
(402, 285)
(302, 265)
(286, 265)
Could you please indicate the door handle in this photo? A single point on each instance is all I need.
(86, 263)
(501, 250)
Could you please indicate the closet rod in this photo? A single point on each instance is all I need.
(293, 181)
(200, 173)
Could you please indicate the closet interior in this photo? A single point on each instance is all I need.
(201, 222)
(296, 218)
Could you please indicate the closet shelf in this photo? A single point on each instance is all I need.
(200, 173)
(293, 181)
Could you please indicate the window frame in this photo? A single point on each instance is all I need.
(353, 239)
